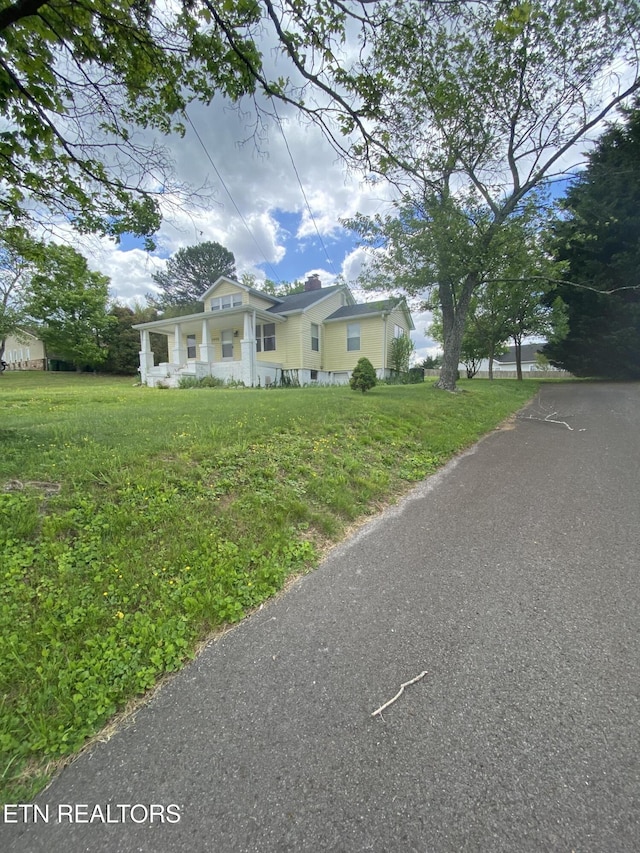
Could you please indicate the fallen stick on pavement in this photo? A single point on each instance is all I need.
(399, 693)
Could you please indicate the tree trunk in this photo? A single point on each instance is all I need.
(454, 317)
(518, 343)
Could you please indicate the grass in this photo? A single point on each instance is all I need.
(133, 522)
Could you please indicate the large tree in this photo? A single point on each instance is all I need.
(512, 303)
(188, 274)
(75, 80)
(79, 79)
(462, 105)
(478, 104)
(122, 342)
(598, 239)
(69, 304)
(19, 253)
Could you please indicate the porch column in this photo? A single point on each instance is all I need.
(145, 354)
(179, 353)
(248, 350)
(207, 352)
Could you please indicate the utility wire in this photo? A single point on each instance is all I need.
(226, 188)
(304, 195)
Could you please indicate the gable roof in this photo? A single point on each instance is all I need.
(20, 334)
(300, 301)
(527, 353)
(370, 309)
(224, 279)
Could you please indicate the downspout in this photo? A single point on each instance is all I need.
(384, 347)
(254, 352)
(302, 338)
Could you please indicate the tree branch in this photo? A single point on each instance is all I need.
(21, 9)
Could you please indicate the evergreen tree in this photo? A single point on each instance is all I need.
(364, 376)
(599, 240)
(189, 273)
(123, 342)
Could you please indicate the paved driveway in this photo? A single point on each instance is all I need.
(511, 578)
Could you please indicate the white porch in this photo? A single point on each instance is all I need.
(221, 344)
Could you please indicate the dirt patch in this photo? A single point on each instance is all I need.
(46, 488)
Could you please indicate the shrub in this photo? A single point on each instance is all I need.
(401, 350)
(363, 376)
(204, 382)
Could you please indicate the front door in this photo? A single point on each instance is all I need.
(226, 339)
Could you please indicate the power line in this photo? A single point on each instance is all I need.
(304, 195)
(227, 190)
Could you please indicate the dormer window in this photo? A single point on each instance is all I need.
(232, 300)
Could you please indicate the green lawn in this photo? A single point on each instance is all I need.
(135, 521)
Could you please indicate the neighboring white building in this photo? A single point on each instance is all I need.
(506, 364)
(24, 351)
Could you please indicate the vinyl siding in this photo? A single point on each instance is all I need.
(371, 343)
(293, 338)
(316, 314)
(216, 340)
(256, 301)
(287, 351)
(396, 318)
(226, 288)
(283, 345)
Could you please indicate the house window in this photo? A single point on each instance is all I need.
(353, 337)
(315, 337)
(265, 337)
(232, 300)
(191, 346)
(226, 339)
(398, 332)
(314, 375)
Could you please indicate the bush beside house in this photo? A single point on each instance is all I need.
(364, 376)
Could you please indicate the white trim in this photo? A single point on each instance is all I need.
(224, 279)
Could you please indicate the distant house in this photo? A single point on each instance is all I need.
(529, 359)
(24, 351)
(248, 336)
(531, 362)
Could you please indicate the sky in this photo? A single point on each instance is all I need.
(276, 203)
(275, 198)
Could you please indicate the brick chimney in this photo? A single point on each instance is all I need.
(313, 283)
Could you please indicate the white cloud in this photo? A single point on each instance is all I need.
(354, 263)
(247, 178)
(424, 343)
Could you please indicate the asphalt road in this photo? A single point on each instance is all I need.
(511, 578)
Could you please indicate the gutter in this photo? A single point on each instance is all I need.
(384, 346)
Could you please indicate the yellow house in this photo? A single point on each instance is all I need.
(24, 351)
(245, 335)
